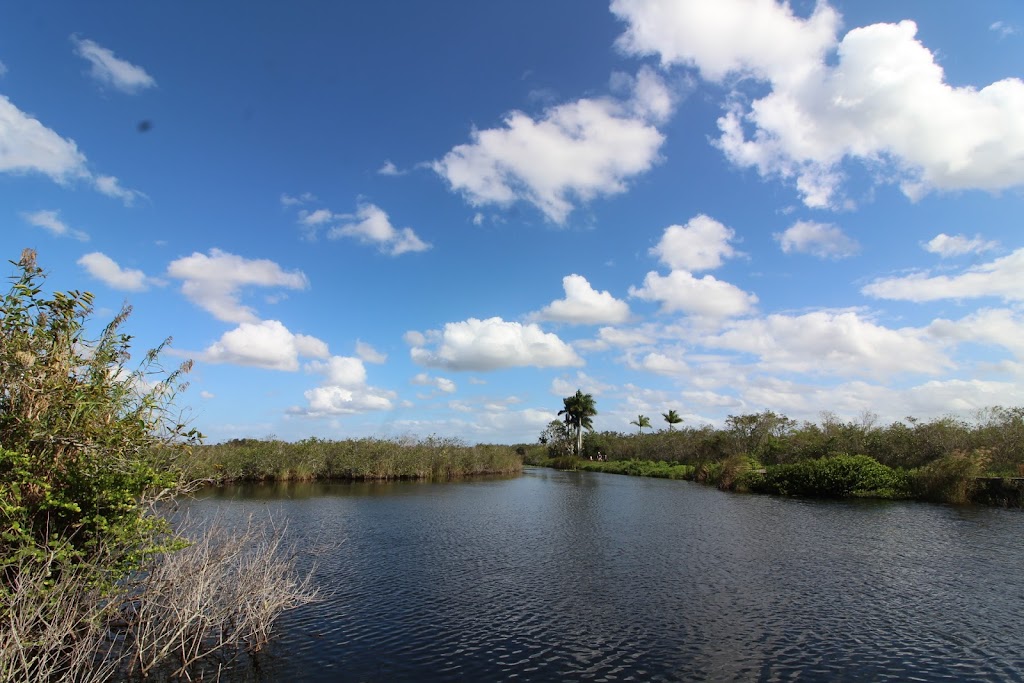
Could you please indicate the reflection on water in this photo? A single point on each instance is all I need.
(556, 575)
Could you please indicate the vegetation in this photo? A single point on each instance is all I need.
(640, 422)
(945, 460)
(672, 418)
(578, 410)
(433, 458)
(91, 574)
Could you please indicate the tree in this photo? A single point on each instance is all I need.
(672, 417)
(641, 421)
(578, 409)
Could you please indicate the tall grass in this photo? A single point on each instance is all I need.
(432, 458)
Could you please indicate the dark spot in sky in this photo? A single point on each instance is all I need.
(145, 125)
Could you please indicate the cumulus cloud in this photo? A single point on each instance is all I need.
(583, 305)
(882, 101)
(837, 343)
(818, 239)
(342, 371)
(957, 245)
(372, 226)
(27, 146)
(50, 221)
(491, 344)
(344, 390)
(105, 269)
(110, 70)
(999, 278)
(701, 244)
(266, 344)
(573, 152)
(213, 282)
(706, 297)
(999, 327)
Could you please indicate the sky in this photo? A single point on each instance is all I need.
(400, 218)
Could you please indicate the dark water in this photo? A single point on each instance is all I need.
(578, 576)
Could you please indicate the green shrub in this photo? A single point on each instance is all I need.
(79, 432)
(839, 476)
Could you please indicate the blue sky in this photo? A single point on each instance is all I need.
(408, 218)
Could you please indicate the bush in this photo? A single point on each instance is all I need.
(951, 479)
(77, 430)
(839, 476)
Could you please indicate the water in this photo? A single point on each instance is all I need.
(581, 576)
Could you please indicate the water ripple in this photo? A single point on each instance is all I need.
(606, 578)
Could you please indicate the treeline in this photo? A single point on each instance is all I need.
(434, 458)
(946, 459)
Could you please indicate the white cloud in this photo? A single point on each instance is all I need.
(213, 281)
(110, 186)
(108, 69)
(564, 386)
(1003, 29)
(389, 169)
(701, 244)
(344, 391)
(837, 343)
(206, 395)
(818, 239)
(369, 354)
(315, 218)
(583, 305)
(105, 269)
(957, 245)
(706, 297)
(3, 69)
(27, 146)
(288, 200)
(442, 384)
(492, 344)
(884, 99)
(342, 371)
(266, 344)
(999, 278)
(574, 152)
(374, 227)
(50, 220)
(999, 327)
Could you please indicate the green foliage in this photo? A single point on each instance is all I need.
(672, 418)
(638, 468)
(434, 458)
(950, 479)
(640, 422)
(77, 430)
(839, 476)
(578, 410)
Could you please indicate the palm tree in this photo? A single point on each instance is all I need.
(641, 421)
(578, 410)
(672, 417)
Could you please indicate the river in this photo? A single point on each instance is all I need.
(597, 577)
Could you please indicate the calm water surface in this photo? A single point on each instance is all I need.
(581, 576)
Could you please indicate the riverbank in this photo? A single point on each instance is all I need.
(266, 460)
(950, 480)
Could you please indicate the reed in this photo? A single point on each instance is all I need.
(432, 458)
